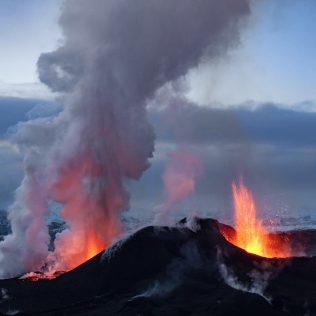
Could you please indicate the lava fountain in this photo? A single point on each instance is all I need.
(250, 234)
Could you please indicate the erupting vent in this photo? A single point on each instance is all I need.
(250, 234)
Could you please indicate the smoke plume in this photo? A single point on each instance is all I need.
(115, 55)
(179, 182)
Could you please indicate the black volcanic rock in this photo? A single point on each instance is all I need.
(182, 270)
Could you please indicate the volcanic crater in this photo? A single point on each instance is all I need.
(188, 269)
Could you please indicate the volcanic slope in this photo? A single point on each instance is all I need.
(189, 269)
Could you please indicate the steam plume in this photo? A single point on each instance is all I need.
(115, 55)
(179, 182)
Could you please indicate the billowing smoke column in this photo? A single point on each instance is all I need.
(115, 55)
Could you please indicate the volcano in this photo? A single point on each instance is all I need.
(188, 269)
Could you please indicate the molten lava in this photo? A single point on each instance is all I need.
(91, 206)
(250, 234)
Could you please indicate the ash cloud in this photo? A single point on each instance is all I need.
(115, 55)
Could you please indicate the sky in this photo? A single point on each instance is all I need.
(275, 61)
(27, 28)
(262, 93)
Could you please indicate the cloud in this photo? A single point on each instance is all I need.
(274, 148)
(262, 123)
(14, 111)
(25, 91)
(11, 172)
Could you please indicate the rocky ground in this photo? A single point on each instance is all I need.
(189, 269)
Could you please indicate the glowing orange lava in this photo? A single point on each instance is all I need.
(94, 246)
(250, 233)
(78, 249)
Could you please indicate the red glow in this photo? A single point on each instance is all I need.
(91, 208)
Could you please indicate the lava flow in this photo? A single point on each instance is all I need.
(250, 234)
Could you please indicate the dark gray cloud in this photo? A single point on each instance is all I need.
(268, 123)
(272, 124)
(272, 147)
(13, 110)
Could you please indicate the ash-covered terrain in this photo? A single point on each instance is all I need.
(189, 269)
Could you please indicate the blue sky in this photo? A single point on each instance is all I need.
(27, 28)
(274, 63)
(284, 43)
